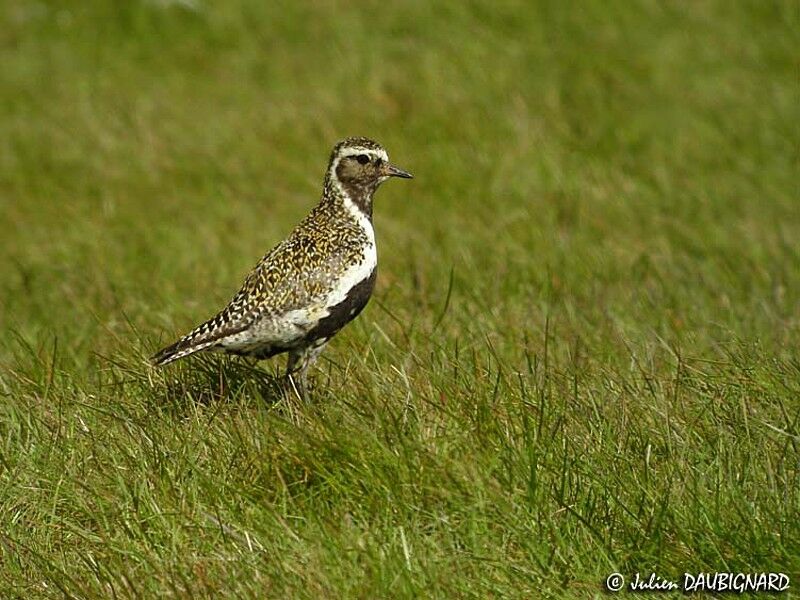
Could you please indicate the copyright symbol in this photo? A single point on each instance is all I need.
(614, 582)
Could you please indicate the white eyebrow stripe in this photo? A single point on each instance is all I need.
(356, 150)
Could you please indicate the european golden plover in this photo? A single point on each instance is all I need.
(309, 286)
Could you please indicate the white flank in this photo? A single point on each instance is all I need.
(305, 319)
(293, 325)
(356, 273)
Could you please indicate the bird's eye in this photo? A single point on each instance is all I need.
(362, 159)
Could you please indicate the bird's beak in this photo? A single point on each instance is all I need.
(393, 171)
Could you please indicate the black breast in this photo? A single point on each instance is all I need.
(344, 312)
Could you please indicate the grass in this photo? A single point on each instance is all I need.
(581, 357)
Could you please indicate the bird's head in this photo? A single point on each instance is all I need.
(358, 166)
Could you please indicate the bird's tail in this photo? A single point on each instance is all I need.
(200, 338)
(183, 347)
(203, 337)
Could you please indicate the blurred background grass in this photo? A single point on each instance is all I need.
(598, 253)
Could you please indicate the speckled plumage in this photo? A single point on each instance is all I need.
(312, 283)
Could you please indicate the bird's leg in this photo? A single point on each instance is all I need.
(291, 363)
(306, 356)
(291, 368)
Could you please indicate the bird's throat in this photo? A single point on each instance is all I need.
(357, 196)
(362, 200)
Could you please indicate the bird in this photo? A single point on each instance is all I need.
(311, 284)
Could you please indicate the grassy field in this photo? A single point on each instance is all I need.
(581, 357)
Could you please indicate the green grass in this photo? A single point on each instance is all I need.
(581, 357)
